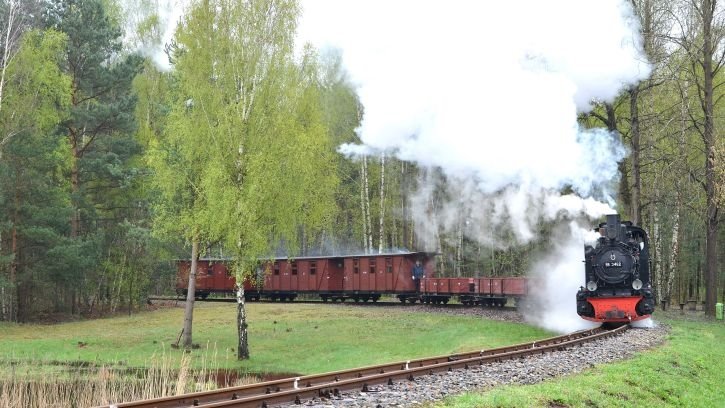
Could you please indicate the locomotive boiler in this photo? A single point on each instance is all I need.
(617, 286)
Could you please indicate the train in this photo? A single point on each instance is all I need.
(356, 277)
(617, 285)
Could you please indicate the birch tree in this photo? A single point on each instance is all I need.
(257, 117)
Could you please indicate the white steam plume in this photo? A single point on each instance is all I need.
(486, 95)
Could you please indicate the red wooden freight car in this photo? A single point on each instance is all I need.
(361, 277)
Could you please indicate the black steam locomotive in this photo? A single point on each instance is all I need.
(617, 277)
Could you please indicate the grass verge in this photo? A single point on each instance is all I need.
(284, 338)
(687, 371)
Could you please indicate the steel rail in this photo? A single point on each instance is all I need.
(299, 388)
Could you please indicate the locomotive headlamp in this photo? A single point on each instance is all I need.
(636, 284)
(591, 286)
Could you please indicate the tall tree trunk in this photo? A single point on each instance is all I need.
(635, 207)
(708, 50)
(242, 335)
(657, 272)
(368, 241)
(459, 249)
(674, 249)
(190, 294)
(403, 206)
(75, 191)
(381, 233)
(15, 311)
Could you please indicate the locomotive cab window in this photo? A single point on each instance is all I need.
(355, 265)
(389, 265)
(313, 268)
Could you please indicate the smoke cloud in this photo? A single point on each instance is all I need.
(485, 96)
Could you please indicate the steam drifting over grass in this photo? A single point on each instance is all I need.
(487, 94)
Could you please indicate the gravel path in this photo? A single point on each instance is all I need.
(529, 370)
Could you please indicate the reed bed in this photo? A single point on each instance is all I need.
(37, 385)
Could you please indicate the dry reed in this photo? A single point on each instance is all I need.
(24, 386)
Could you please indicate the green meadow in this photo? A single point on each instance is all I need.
(283, 338)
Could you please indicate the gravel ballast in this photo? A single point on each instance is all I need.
(528, 370)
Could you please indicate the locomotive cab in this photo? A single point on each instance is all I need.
(617, 278)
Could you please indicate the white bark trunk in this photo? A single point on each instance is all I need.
(381, 232)
(243, 346)
(459, 249)
(363, 183)
(366, 208)
(674, 251)
(190, 294)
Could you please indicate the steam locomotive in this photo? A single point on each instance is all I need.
(617, 277)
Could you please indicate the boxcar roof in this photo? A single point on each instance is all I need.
(358, 255)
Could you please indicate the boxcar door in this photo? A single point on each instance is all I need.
(335, 274)
(276, 278)
(352, 273)
(303, 276)
(388, 275)
(365, 281)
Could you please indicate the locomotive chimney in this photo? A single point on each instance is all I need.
(613, 226)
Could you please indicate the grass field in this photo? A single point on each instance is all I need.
(284, 338)
(687, 371)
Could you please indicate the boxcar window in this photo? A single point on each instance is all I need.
(389, 265)
(313, 268)
(294, 268)
(355, 265)
(210, 271)
(276, 268)
(372, 266)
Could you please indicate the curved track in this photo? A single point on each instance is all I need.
(296, 389)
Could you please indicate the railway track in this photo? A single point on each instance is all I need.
(297, 389)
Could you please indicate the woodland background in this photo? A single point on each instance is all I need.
(111, 168)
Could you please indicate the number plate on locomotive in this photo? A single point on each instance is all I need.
(617, 264)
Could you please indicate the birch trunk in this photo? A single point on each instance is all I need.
(381, 233)
(190, 294)
(363, 182)
(674, 249)
(368, 243)
(459, 249)
(242, 335)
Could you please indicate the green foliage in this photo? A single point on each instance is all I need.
(244, 155)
